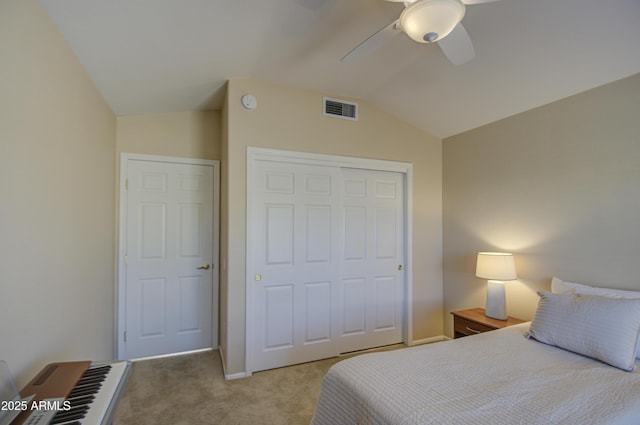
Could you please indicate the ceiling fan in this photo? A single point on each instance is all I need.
(427, 21)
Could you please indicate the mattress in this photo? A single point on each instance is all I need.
(495, 378)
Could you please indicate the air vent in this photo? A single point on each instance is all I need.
(340, 109)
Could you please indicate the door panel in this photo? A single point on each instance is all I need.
(190, 217)
(279, 234)
(169, 235)
(153, 230)
(152, 294)
(385, 233)
(386, 303)
(318, 312)
(354, 305)
(355, 233)
(279, 321)
(318, 233)
(189, 309)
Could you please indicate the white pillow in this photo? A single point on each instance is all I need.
(559, 286)
(598, 327)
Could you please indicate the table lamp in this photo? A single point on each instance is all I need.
(496, 267)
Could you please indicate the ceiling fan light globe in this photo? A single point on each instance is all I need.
(426, 17)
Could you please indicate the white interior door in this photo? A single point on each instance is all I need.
(169, 252)
(326, 246)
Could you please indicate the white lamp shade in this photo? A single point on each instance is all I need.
(427, 21)
(496, 266)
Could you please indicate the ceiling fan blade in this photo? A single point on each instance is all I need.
(457, 46)
(468, 2)
(373, 42)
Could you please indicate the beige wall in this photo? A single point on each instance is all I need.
(189, 134)
(559, 186)
(57, 138)
(292, 119)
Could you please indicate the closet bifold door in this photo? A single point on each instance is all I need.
(295, 275)
(325, 261)
(371, 273)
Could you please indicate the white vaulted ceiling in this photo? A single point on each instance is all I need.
(150, 56)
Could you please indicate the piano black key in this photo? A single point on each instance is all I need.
(85, 399)
(84, 390)
(74, 410)
(99, 370)
(73, 414)
(92, 380)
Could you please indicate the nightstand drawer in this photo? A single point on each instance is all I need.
(474, 321)
(468, 327)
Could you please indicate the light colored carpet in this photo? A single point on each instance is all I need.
(191, 389)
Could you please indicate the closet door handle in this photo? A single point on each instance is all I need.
(205, 267)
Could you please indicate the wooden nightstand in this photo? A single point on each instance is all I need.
(473, 321)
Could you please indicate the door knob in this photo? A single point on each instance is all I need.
(205, 267)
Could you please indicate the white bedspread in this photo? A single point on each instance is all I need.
(495, 378)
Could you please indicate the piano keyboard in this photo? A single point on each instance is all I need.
(90, 398)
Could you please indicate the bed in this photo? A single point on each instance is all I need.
(499, 377)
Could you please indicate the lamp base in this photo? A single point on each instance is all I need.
(496, 307)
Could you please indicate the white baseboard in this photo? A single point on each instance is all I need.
(229, 377)
(182, 353)
(430, 340)
(245, 374)
(236, 376)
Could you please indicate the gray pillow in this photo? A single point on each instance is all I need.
(598, 327)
